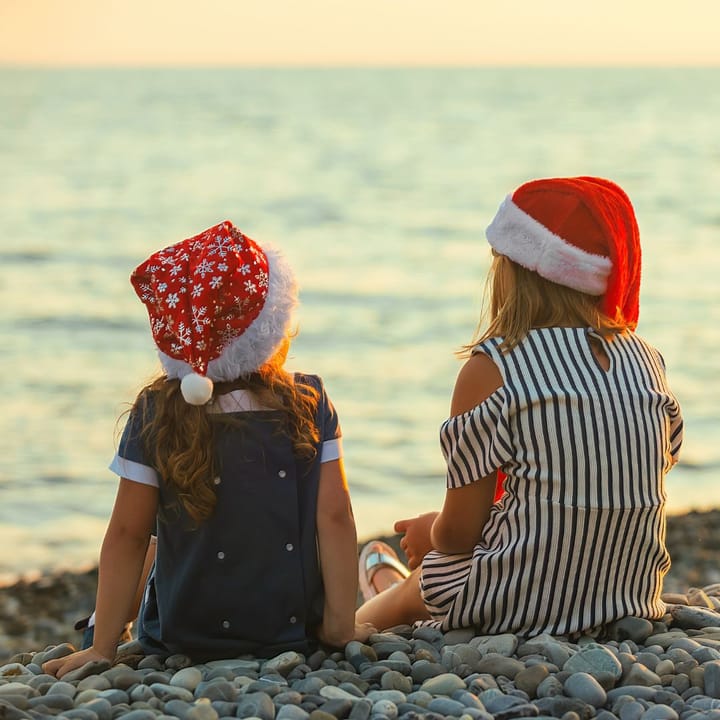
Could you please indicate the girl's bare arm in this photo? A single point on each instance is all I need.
(459, 526)
(121, 564)
(337, 541)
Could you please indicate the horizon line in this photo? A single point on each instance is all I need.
(582, 65)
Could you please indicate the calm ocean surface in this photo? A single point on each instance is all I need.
(378, 184)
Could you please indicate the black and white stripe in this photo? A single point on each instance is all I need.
(579, 538)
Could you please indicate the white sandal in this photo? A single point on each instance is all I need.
(374, 556)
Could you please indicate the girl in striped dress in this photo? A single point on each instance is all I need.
(562, 400)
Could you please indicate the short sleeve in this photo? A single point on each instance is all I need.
(476, 443)
(130, 461)
(327, 421)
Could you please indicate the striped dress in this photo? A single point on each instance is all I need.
(578, 539)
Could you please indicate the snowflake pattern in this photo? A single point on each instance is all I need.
(215, 309)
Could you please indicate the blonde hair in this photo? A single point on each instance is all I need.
(179, 438)
(520, 300)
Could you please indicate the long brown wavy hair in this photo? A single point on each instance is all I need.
(520, 300)
(179, 438)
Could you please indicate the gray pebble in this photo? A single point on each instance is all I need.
(640, 675)
(283, 663)
(94, 682)
(549, 687)
(80, 713)
(139, 714)
(497, 664)
(202, 710)
(393, 680)
(660, 712)
(92, 668)
(384, 709)
(634, 628)
(188, 678)
(519, 711)
(257, 704)
(337, 708)
(361, 710)
(585, 687)
(17, 688)
(429, 634)
(504, 644)
(178, 708)
(61, 687)
(422, 670)
(86, 696)
(444, 684)
(529, 678)
(496, 702)
(52, 702)
(446, 706)
(101, 707)
(558, 705)
(394, 696)
(593, 659)
(688, 617)
(631, 711)
(711, 679)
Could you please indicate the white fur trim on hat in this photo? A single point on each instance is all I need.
(529, 243)
(246, 353)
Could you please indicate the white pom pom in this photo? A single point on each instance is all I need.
(196, 389)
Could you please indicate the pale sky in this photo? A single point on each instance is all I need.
(367, 32)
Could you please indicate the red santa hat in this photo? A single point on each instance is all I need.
(219, 304)
(580, 232)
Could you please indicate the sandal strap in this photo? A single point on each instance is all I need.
(376, 560)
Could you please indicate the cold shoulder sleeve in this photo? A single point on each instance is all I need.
(476, 443)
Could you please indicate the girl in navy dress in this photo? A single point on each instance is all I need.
(234, 463)
(561, 398)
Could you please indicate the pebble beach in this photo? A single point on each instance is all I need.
(636, 670)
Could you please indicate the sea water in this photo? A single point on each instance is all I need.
(378, 185)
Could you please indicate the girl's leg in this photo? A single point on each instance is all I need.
(400, 604)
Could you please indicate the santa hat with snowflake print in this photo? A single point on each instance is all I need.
(580, 232)
(220, 306)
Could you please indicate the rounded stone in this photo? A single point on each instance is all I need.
(632, 710)
(640, 675)
(165, 691)
(446, 706)
(283, 663)
(257, 704)
(633, 628)
(593, 659)
(504, 644)
(188, 678)
(202, 710)
(585, 687)
(660, 712)
(385, 709)
(529, 678)
(444, 684)
(497, 664)
(62, 688)
(393, 680)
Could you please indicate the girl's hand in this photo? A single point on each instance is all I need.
(361, 632)
(62, 666)
(416, 542)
